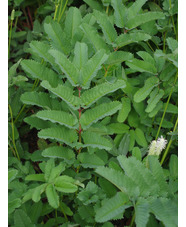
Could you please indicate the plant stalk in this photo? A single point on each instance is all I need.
(166, 107)
(169, 144)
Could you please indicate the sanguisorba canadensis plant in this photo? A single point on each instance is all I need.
(82, 65)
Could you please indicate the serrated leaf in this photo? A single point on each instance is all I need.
(124, 111)
(173, 166)
(158, 108)
(41, 72)
(158, 174)
(12, 173)
(140, 137)
(138, 173)
(92, 95)
(134, 9)
(60, 117)
(118, 57)
(94, 4)
(143, 18)
(94, 140)
(80, 55)
(52, 196)
(112, 207)
(59, 152)
(93, 115)
(95, 39)
(165, 210)
(72, 22)
(119, 13)
(143, 92)
(172, 44)
(107, 28)
(141, 213)
(35, 177)
(65, 93)
(13, 204)
(56, 171)
(65, 184)
(136, 152)
(58, 37)
(21, 219)
(135, 37)
(90, 160)
(132, 139)
(124, 145)
(66, 66)
(90, 69)
(141, 66)
(37, 98)
(36, 194)
(37, 123)
(120, 180)
(59, 133)
(153, 100)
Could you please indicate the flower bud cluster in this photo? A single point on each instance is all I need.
(156, 147)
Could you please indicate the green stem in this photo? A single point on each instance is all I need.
(13, 136)
(166, 107)
(60, 9)
(10, 36)
(169, 144)
(133, 218)
(66, 218)
(56, 9)
(59, 18)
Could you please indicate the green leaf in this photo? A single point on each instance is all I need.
(139, 174)
(90, 160)
(112, 208)
(135, 37)
(65, 184)
(120, 180)
(93, 115)
(158, 108)
(13, 204)
(36, 194)
(59, 152)
(119, 13)
(90, 69)
(80, 55)
(65, 93)
(143, 18)
(52, 196)
(136, 152)
(21, 219)
(12, 173)
(35, 177)
(124, 144)
(95, 39)
(41, 49)
(92, 95)
(59, 133)
(172, 44)
(134, 9)
(107, 28)
(117, 128)
(41, 72)
(40, 99)
(158, 174)
(118, 57)
(124, 111)
(66, 66)
(132, 139)
(94, 4)
(72, 22)
(143, 92)
(60, 117)
(165, 210)
(140, 138)
(173, 166)
(141, 66)
(94, 140)
(153, 100)
(58, 38)
(141, 213)
(48, 168)
(56, 171)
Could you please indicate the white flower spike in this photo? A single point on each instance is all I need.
(156, 147)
